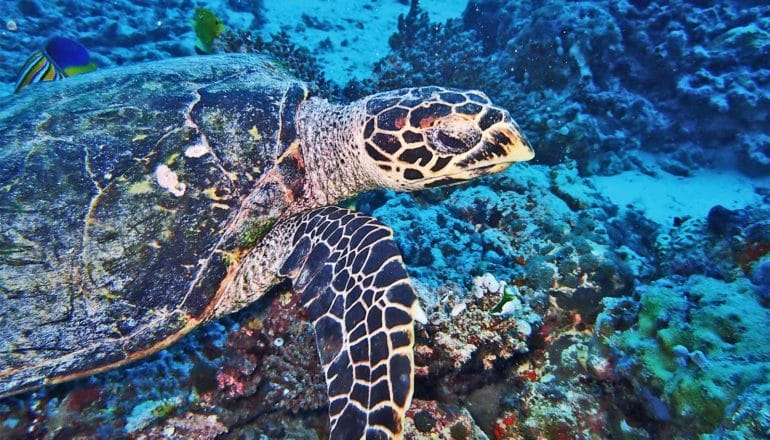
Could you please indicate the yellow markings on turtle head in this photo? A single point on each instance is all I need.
(255, 134)
(139, 137)
(219, 206)
(141, 187)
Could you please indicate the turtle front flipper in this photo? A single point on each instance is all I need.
(349, 274)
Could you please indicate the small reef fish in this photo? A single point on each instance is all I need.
(207, 27)
(59, 58)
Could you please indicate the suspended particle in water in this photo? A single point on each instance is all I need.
(11, 25)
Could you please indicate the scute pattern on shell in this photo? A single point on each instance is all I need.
(116, 202)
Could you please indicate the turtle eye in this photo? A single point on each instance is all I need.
(453, 139)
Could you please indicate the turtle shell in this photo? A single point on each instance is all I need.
(116, 189)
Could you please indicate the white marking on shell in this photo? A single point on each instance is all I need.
(168, 179)
(197, 150)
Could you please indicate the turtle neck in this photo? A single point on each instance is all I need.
(331, 139)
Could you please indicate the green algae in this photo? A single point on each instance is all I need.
(724, 321)
(148, 411)
(256, 232)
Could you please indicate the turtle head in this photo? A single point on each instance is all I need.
(404, 139)
(431, 136)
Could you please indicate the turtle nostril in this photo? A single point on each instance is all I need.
(448, 141)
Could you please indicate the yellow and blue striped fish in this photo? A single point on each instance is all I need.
(59, 58)
(37, 68)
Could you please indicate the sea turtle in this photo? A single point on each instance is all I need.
(139, 202)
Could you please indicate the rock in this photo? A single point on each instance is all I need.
(427, 420)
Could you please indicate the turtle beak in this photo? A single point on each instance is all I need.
(502, 143)
(500, 146)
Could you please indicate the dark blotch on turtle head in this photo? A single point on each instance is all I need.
(446, 181)
(441, 162)
(379, 103)
(412, 174)
(444, 142)
(424, 117)
(477, 97)
(387, 142)
(393, 119)
(413, 155)
(470, 109)
(490, 118)
(411, 137)
(453, 138)
(452, 97)
(375, 154)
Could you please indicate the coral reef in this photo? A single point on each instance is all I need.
(703, 65)
(604, 77)
(735, 243)
(699, 347)
(474, 334)
(190, 426)
(296, 59)
(541, 232)
(531, 226)
(429, 420)
(240, 372)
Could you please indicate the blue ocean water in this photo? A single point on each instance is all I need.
(615, 286)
